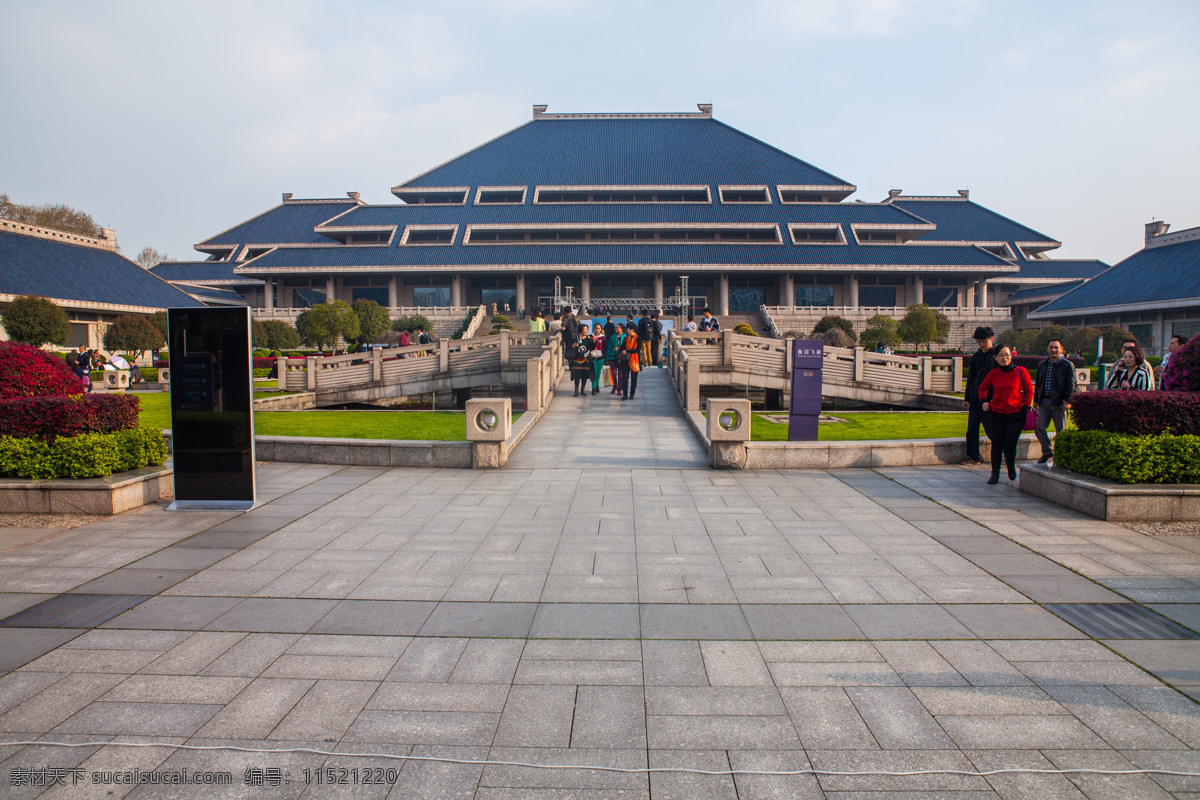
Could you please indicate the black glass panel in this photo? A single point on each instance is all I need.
(212, 432)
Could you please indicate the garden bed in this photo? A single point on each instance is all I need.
(113, 494)
(1115, 502)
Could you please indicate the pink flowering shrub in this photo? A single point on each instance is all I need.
(1137, 413)
(1183, 372)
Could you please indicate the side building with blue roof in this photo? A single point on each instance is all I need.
(84, 275)
(1154, 293)
(621, 210)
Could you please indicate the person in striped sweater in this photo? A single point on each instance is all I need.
(1012, 397)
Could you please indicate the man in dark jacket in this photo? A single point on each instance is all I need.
(644, 334)
(656, 332)
(981, 364)
(1052, 390)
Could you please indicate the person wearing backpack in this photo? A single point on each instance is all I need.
(581, 364)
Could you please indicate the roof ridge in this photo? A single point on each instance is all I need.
(460, 155)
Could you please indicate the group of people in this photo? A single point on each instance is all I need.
(81, 361)
(1003, 398)
(624, 348)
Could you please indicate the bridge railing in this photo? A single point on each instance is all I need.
(399, 365)
(725, 350)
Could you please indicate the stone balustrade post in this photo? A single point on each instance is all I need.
(728, 431)
(281, 371)
(489, 426)
(858, 363)
(310, 364)
(926, 373)
(726, 348)
(376, 364)
(692, 383)
(443, 355)
(504, 344)
(533, 385)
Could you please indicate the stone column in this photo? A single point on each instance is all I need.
(852, 290)
(658, 288)
(969, 300)
(521, 291)
(393, 291)
(789, 292)
(268, 294)
(981, 294)
(723, 296)
(918, 289)
(330, 290)
(456, 298)
(585, 290)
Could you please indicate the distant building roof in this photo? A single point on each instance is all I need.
(1054, 270)
(290, 221)
(624, 149)
(960, 219)
(1165, 274)
(201, 271)
(1041, 294)
(212, 296)
(35, 261)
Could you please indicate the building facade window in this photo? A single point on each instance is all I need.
(431, 296)
(814, 295)
(745, 194)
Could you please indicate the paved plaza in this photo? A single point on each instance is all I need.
(604, 601)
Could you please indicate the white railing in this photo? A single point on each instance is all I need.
(476, 321)
(892, 311)
(420, 362)
(771, 359)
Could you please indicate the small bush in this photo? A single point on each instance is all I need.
(89, 455)
(259, 372)
(833, 321)
(1137, 413)
(26, 371)
(1125, 458)
(150, 374)
(49, 418)
(264, 362)
(414, 321)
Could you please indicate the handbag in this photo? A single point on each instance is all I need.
(1031, 418)
(597, 354)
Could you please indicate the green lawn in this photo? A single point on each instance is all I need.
(446, 426)
(858, 426)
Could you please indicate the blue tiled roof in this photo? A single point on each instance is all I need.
(961, 220)
(1058, 269)
(1043, 292)
(1154, 275)
(850, 254)
(646, 151)
(288, 222)
(400, 215)
(197, 271)
(29, 265)
(224, 296)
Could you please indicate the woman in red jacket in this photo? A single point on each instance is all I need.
(1012, 395)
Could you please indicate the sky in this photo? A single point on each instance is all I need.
(172, 121)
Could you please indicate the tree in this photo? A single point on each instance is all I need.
(834, 321)
(1046, 334)
(1084, 341)
(52, 215)
(922, 326)
(132, 334)
(324, 323)
(881, 328)
(159, 320)
(280, 335)
(415, 322)
(149, 257)
(373, 318)
(36, 321)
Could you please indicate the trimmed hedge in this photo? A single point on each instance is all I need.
(89, 455)
(1125, 458)
(1031, 363)
(1137, 413)
(48, 418)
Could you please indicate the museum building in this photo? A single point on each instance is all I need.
(632, 207)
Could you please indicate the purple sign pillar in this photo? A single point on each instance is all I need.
(808, 360)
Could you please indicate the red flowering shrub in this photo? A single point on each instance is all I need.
(1183, 371)
(48, 418)
(26, 371)
(1138, 413)
(264, 362)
